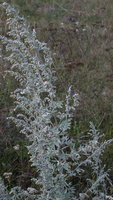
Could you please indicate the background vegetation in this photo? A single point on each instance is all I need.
(80, 35)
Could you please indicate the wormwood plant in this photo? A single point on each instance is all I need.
(46, 123)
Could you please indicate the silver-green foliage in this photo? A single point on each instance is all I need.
(93, 150)
(46, 121)
(3, 191)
